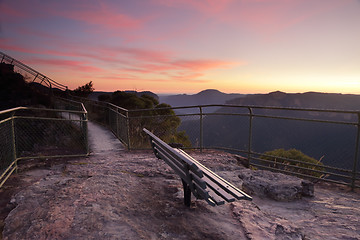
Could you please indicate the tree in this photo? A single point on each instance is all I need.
(85, 90)
(145, 111)
(15, 91)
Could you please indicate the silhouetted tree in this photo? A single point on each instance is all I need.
(85, 90)
(15, 91)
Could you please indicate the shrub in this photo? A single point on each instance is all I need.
(282, 159)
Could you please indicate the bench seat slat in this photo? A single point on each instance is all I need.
(218, 190)
(218, 200)
(209, 195)
(225, 186)
(229, 187)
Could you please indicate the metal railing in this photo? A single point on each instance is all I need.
(33, 133)
(249, 130)
(331, 136)
(110, 115)
(36, 76)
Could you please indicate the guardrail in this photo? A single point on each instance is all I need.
(33, 133)
(331, 135)
(39, 77)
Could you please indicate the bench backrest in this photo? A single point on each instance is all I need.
(203, 183)
(181, 164)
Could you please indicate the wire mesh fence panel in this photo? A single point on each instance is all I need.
(190, 127)
(113, 121)
(228, 131)
(97, 112)
(49, 137)
(122, 128)
(66, 104)
(6, 144)
(329, 144)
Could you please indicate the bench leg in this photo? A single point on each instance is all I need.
(187, 193)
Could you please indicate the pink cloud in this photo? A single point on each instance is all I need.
(130, 63)
(202, 65)
(10, 12)
(267, 18)
(6, 45)
(74, 65)
(193, 67)
(99, 13)
(37, 33)
(145, 55)
(180, 70)
(119, 76)
(263, 17)
(204, 6)
(102, 15)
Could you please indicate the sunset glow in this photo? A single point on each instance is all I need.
(185, 46)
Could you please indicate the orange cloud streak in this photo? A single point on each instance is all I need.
(74, 65)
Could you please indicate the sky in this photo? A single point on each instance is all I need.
(185, 46)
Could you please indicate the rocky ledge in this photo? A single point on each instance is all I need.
(132, 195)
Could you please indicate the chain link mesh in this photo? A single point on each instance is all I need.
(48, 137)
(37, 133)
(6, 144)
(240, 129)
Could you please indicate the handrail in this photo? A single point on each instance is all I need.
(43, 109)
(50, 83)
(254, 107)
(127, 130)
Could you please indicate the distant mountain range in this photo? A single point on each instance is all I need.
(301, 100)
(206, 97)
(209, 96)
(333, 143)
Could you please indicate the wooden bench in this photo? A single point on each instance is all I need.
(196, 178)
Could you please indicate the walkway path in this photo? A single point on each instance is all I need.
(101, 140)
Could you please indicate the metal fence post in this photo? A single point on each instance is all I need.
(85, 130)
(128, 130)
(117, 123)
(201, 130)
(356, 154)
(250, 134)
(13, 139)
(109, 116)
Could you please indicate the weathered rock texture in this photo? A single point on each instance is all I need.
(132, 195)
(276, 186)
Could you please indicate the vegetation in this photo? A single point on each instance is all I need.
(146, 111)
(85, 90)
(281, 159)
(15, 91)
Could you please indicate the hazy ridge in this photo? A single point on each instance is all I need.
(333, 143)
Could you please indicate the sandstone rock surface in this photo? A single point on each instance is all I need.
(274, 185)
(115, 194)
